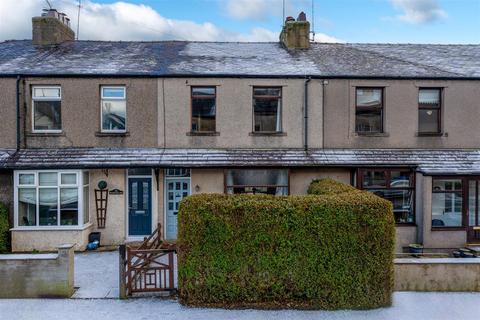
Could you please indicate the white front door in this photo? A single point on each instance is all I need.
(176, 189)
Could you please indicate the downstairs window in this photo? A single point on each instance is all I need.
(257, 181)
(395, 185)
(51, 198)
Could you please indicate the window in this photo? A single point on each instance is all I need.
(257, 181)
(114, 109)
(395, 185)
(447, 202)
(47, 116)
(429, 110)
(51, 198)
(203, 109)
(177, 172)
(267, 109)
(369, 110)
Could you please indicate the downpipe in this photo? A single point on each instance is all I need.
(305, 117)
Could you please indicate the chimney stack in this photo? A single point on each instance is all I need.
(296, 33)
(51, 28)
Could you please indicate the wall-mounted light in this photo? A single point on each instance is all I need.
(197, 188)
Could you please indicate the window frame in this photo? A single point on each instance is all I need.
(36, 185)
(388, 171)
(440, 111)
(102, 99)
(279, 109)
(382, 110)
(464, 191)
(46, 99)
(202, 97)
(226, 187)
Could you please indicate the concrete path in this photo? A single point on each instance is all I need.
(96, 275)
(424, 306)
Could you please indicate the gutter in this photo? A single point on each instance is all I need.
(17, 103)
(235, 76)
(305, 118)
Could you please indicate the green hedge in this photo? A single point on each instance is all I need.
(329, 187)
(4, 227)
(319, 252)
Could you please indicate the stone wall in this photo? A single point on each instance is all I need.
(37, 275)
(437, 274)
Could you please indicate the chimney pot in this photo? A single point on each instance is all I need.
(296, 34)
(51, 28)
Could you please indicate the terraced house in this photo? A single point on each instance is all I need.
(152, 122)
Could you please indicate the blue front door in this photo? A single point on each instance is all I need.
(139, 206)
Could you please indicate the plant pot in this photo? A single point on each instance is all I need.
(415, 249)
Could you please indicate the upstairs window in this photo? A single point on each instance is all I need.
(257, 181)
(203, 109)
(114, 109)
(395, 185)
(267, 109)
(429, 110)
(369, 110)
(47, 116)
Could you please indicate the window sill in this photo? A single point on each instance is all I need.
(267, 134)
(405, 224)
(46, 134)
(449, 229)
(372, 134)
(203, 133)
(112, 134)
(53, 228)
(430, 134)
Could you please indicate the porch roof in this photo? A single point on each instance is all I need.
(447, 161)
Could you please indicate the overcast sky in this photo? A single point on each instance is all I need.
(374, 21)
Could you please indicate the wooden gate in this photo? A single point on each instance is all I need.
(148, 267)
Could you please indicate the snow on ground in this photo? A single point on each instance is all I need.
(96, 275)
(407, 305)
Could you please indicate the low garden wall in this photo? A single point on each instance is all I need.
(328, 251)
(37, 275)
(437, 274)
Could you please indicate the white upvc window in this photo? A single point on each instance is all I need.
(46, 109)
(113, 113)
(49, 199)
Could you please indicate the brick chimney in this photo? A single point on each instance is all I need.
(296, 33)
(51, 28)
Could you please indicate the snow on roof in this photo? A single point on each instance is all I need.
(261, 59)
(448, 161)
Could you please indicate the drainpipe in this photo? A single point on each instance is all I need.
(324, 83)
(305, 118)
(19, 78)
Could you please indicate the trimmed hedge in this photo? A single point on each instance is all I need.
(329, 187)
(4, 227)
(313, 252)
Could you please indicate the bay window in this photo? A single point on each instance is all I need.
(51, 198)
(257, 181)
(395, 185)
(447, 202)
(46, 109)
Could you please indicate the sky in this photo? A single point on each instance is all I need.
(363, 21)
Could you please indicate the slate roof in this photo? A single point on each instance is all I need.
(266, 59)
(458, 161)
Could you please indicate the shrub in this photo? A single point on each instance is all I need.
(4, 227)
(329, 252)
(328, 187)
